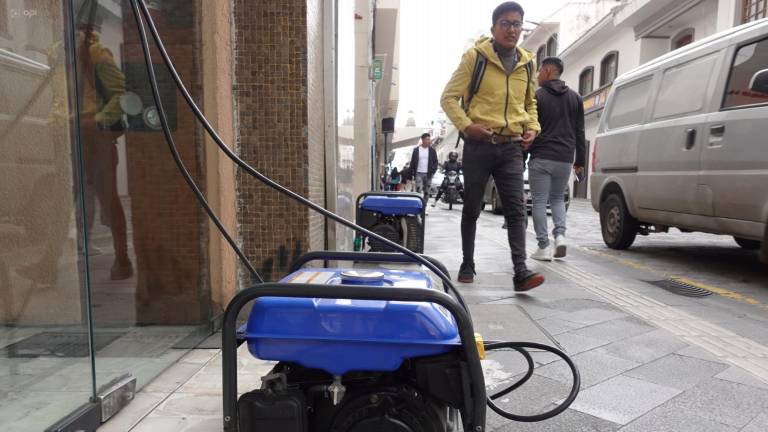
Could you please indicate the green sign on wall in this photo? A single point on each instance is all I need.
(378, 70)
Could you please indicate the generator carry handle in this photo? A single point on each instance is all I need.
(394, 194)
(375, 257)
(476, 418)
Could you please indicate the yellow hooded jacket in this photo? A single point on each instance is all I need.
(500, 103)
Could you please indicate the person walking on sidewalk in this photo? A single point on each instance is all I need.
(561, 114)
(424, 165)
(498, 118)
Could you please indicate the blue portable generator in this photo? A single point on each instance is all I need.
(396, 216)
(357, 350)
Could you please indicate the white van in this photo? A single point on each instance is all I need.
(683, 143)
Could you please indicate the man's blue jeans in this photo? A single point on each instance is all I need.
(548, 180)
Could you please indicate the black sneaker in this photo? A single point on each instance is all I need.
(467, 272)
(527, 280)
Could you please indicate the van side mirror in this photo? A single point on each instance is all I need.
(759, 82)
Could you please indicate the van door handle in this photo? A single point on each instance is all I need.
(690, 138)
(716, 133)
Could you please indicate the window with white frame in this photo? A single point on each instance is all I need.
(552, 45)
(609, 68)
(586, 81)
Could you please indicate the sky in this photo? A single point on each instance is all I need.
(433, 36)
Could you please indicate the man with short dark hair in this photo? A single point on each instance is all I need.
(424, 165)
(561, 114)
(498, 118)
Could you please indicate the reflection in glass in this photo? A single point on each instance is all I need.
(45, 364)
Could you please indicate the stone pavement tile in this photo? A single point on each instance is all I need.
(723, 402)
(556, 325)
(592, 316)
(677, 371)
(567, 421)
(646, 347)
(537, 309)
(200, 356)
(180, 405)
(173, 377)
(575, 305)
(506, 323)
(180, 424)
(142, 404)
(699, 353)
(738, 375)
(748, 328)
(594, 367)
(612, 331)
(759, 424)
(575, 344)
(500, 368)
(534, 397)
(622, 399)
(666, 419)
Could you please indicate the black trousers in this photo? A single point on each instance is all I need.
(505, 163)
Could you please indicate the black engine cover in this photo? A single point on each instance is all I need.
(424, 395)
(391, 410)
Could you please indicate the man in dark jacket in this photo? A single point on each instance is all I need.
(561, 115)
(424, 165)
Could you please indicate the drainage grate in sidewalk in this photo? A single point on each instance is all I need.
(680, 288)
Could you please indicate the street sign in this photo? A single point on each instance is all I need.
(378, 70)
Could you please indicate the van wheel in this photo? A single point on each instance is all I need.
(618, 226)
(747, 243)
(495, 204)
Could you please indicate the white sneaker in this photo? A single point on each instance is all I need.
(560, 246)
(543, 254)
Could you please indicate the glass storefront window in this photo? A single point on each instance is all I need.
(104, 274)
(43, 304)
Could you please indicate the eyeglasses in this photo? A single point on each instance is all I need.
(506, 25)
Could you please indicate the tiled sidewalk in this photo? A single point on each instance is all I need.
(636, 376)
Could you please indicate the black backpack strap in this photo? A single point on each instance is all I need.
(477, 76)
(529, 71)
(474, 84)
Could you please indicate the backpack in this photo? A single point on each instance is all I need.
(477, 76)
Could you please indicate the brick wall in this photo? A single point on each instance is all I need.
(272, 102)
(169, 228)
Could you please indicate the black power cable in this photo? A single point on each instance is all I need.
(520, 347)
(139, 4)
(174, 152)
(139, 7)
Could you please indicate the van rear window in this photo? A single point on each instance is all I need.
(629, 104)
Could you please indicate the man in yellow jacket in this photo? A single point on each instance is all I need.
(498, 121)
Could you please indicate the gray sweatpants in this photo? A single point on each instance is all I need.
(423, 181)
(548, 180)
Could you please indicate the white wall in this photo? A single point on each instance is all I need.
(591, 54)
